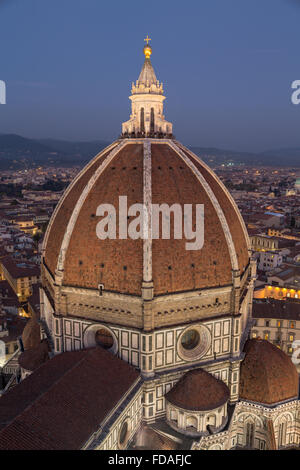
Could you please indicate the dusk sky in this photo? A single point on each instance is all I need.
(226, 65)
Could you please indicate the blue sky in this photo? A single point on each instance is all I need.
(227, 68)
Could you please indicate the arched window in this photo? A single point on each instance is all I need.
(211, 420)
(152, 120)
(173, 416)
(192, 422)
(282, 434)
(142, 120)
(124, 434)
(249, 435)
(104, 338)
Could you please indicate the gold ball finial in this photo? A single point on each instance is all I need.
(147, 48)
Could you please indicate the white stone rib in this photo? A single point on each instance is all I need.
(214, 201)
(245, 231)
(80, 202)
(147, 242)
(71, 185)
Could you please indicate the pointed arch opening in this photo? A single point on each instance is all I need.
(142, 118)
(152, 123)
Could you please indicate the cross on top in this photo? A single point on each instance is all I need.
(147, 39)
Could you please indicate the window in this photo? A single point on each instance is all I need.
(194, 342)
(282, 434)
(249, 434)
(173, 415)
(192, 422)
(278, 324)
(123, 435)
(267, 322)
(142, 120)
(292, 325)
(211, 421)
(190, 339)
(291, 337)
(104, 338)
(152, 120)
(123, 432)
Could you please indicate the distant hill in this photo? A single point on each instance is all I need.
(13, 144)
(80, 149)
(19, 152)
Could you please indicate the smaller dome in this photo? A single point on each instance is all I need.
(31, 336)
(33, 358)
(268, 375)
(198, 390)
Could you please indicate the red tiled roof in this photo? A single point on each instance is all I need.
(17, 270)
(271, 308)
(64, 401)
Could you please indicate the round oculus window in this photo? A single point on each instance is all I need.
(104, 338)
(123, 435)
(193, 342)
(190, 339)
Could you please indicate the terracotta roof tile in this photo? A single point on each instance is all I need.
(198, 390)
(118, 264)
(281, 309)
(64, 402)
(268, 375)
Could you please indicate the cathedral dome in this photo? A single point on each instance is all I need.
(146, 167)
(268, 375)
(146, 171)
(198, 390)
(31, 359)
